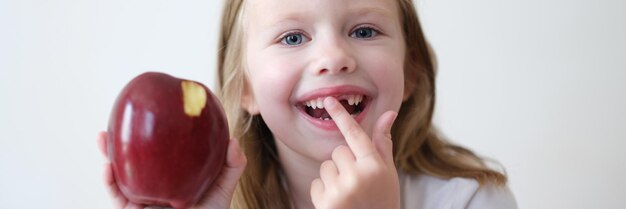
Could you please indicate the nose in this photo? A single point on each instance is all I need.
(333, 56)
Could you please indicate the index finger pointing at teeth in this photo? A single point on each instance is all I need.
(358, 141)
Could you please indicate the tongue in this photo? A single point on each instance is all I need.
(321, 113)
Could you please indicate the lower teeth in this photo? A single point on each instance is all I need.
(353, 115)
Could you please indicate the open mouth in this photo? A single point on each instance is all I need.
(354, 104)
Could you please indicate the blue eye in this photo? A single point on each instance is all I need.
(292, 39)
(364, 33)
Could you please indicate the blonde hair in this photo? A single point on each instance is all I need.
(417, 147)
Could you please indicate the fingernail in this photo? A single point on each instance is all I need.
(329, 102)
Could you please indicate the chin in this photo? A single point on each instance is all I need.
(324, 152)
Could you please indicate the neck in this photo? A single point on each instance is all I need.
(299, 172)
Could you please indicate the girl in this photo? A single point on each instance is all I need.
(312, 89)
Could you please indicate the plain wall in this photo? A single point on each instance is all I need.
(537, 85)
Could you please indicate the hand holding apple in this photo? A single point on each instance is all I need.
(167, 141)
(218, 196)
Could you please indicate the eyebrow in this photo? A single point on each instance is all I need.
(290, 17)
(375, 11)
(362, 11)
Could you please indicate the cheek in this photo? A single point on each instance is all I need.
(272, 83)
(391, 86)
(272, 87)
(389, 77)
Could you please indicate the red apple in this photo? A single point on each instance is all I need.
(167, 140)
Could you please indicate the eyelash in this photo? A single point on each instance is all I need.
(282, 38)
(376, 31)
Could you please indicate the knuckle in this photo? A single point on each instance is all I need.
(353, 131)
(340, 114)
(374, 170)
(349, 184)
(326, 165)
(339, 152)
(386, 143)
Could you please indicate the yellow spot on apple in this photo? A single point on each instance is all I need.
(194, 98)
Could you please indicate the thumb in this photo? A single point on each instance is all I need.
(381, 136)
(221, 191)
(235, 164)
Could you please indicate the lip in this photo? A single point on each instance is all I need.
(330, 125)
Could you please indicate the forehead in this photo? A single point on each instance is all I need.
(272, 11)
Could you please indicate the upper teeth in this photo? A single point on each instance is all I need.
(319, 104)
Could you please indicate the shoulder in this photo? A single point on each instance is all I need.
(428, 192)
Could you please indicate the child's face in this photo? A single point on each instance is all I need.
(298, 51)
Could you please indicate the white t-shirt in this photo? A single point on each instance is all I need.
(428, 192)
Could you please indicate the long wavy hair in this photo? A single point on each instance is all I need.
(417, 147)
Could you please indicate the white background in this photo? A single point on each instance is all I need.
(536, 84)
